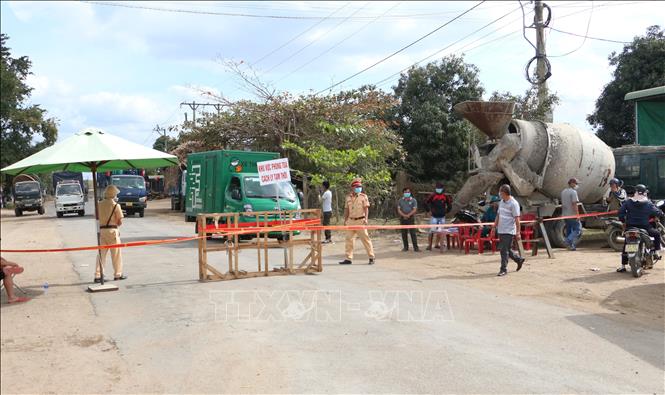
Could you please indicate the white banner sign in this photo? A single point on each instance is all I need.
(274, 171)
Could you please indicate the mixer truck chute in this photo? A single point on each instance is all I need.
(536, 158)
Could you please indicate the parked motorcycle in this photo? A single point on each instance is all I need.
(466, 217)
(639, 250)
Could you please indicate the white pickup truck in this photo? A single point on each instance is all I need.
(69, 198)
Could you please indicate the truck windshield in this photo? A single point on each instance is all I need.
(253, 189)
(70, 189)
(128, 182)
(28, 187)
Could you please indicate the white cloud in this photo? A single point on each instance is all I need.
(111, 107)
(44, 87)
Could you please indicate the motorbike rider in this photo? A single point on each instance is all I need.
(616, 196)
(635, 213)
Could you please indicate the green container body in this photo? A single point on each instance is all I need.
(209, 175)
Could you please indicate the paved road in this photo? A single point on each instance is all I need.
(356, 328)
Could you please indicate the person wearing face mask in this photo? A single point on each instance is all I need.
(616, 196)
(407, 208)
(569, 207)
(438, 204)
(507, 225)
(356, 211)
(110, 220)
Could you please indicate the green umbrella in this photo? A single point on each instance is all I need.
(96, 151)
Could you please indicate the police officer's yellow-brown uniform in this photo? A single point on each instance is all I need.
(110, 219)
(355, 213)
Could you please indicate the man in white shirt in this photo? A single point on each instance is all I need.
(507, 225)
(326, 207)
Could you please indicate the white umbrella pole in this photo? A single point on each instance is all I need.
(99, 256)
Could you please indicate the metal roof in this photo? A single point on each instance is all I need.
(645, 93)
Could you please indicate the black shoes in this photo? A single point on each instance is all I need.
(122, 277)
(348, 262)
(622, 269)
(405, 249)
(520, 262)
(502, 273)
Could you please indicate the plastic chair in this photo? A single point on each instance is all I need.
(527, 230)
(473, 239)
(463, 233)
(491, 238)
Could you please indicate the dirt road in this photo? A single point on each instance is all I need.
(412, 323)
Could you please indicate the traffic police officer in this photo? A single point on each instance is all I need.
(356, 209)
(110, 219)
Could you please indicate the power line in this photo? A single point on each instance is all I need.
(300, 35)
(338, 43)
(248, 15)
(493, 40)
(462, 49)
(401, 49)
(450, 45)
(589, 37)
(313, 41)
(588, 25)
(524, 26)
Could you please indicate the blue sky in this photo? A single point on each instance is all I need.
(127, 69)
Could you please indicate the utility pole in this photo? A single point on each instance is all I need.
(166, 140)
(194, 105)
(542, 69)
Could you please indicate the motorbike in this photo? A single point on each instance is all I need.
(466, 217)
(614, 229)
(638, 251)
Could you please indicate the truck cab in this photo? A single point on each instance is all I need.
(69, 198)
(28, 197)
(133, 196)
(227, 181)
(637, 164)
(245, 194)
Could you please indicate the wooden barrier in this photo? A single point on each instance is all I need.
(277, 222)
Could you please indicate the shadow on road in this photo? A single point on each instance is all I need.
(599, 278)
(646, 300)
(648, 346)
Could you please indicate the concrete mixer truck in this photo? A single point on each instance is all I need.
(537, 159)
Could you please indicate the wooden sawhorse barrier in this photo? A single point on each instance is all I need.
(274, 233)
(540, 234)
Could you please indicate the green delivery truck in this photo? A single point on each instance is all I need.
(227, 181)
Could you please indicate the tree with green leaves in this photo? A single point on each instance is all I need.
(435, 138)
(641, 65)
(24, 128)
(164, 143)
(527, 106)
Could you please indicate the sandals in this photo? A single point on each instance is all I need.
(121, 277)
(19, 300)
